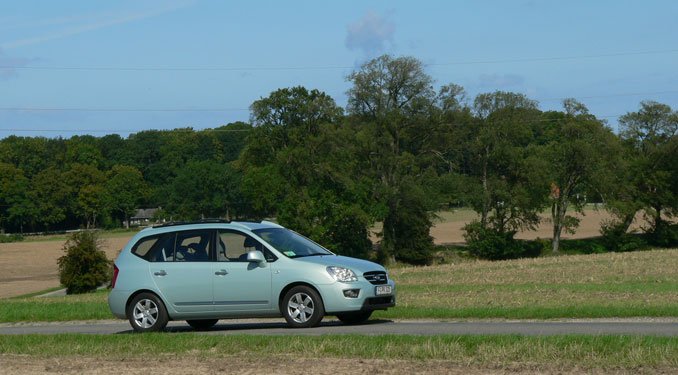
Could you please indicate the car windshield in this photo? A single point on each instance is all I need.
(291, 244)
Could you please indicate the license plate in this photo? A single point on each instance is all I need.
(383, 289)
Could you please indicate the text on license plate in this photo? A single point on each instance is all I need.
(383, 289)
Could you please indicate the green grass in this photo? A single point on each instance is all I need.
(90, 306)
(607, 352)
(579, 286)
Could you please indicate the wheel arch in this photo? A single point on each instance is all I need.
(133, 295)
(288, 287)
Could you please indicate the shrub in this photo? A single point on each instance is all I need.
(85, 266)
(487, 243)
(664, 235)
(615, 238)
(7, 238)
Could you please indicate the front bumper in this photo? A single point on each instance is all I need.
(336, 302)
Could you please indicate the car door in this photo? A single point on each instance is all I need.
(239, 285)
(184, 276)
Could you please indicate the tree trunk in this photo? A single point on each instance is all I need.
(486, 194)
(558, 210)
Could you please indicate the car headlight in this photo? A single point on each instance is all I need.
(342, 274)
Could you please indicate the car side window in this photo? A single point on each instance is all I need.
(233, 246)
(159, 248)
(193, 246)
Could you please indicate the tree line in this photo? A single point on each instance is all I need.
(401, 150)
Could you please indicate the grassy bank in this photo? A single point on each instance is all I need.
(582, 352)
(581, 286)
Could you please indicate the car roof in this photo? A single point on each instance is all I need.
(211, 223)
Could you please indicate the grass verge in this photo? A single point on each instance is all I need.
(587, 352)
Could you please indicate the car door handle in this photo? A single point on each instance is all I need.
(221, 273)
(160, 273)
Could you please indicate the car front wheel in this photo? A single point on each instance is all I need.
(147, 313)
(302, 307)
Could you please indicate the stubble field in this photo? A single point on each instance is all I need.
(31, 266)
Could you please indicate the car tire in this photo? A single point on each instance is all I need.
(147, 313)
(202, 324)
(354, 317)
(302, 307)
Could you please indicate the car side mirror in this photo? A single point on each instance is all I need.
(256, 256)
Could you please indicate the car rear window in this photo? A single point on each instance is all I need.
(159, 248)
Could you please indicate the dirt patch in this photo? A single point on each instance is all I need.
(27, 267)
(24, 365)
(451, 231)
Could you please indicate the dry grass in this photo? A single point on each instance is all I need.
(641, 280)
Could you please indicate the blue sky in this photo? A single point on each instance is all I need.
(99, 67)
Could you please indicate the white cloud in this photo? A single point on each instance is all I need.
(370, 35)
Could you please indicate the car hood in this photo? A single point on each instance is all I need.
(359, 266)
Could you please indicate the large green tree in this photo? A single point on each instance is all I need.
(581, 154)
(505, 180)
(126, 190)
(299, 167)
(392, 99)
(651, 143)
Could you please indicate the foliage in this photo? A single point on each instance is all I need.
(581, 155)
(651, 142)
(84, 267)
(488, 243)
(398, 152)
(616, 238)
(8, 238)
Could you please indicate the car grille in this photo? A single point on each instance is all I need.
(376, 277)
(376, 301)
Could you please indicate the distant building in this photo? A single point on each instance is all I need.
(143, 216)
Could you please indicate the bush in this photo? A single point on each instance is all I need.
(85, 266)
(615, 238)
(664, 235)
(487, 243)
(7, 238)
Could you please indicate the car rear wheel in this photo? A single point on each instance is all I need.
(302, 307)
(147, 313)
(202, 324)
(354, 317)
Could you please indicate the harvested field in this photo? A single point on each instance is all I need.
(27, 267)
(31, 266)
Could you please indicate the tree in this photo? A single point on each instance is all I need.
(502, 162)
(126, 189)
(298, 165)
(51, 196)
(16, 208)
(581, 154)
(649, 136)
(87, 193)
(203, 189)
(392, 99)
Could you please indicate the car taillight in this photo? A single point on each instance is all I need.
(115, 276)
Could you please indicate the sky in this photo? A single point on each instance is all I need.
(102, 67)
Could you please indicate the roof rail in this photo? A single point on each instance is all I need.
(202, 221)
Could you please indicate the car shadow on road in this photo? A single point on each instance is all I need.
(262, 327)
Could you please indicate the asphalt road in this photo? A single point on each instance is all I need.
(373, 327)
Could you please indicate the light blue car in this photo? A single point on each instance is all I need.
(211, 270)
